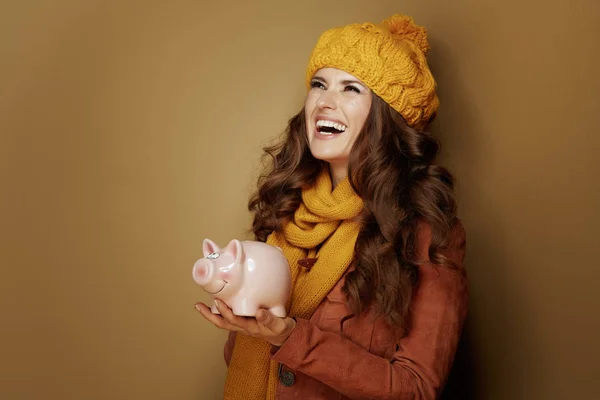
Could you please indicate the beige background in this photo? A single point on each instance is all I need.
(132, 130)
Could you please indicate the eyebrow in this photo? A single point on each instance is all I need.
(344, 82)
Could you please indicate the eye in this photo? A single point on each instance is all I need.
(317, 85)
(351, 88)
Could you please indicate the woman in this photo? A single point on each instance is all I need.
(368, 224)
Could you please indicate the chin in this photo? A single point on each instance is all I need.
(323, 157)
(331, 158)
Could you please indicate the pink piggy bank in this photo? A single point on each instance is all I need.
(246, 275)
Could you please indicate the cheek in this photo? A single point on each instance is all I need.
(224, 276)
(309, 109)
(310, 103)
(359, 110)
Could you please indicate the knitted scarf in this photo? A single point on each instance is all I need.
(325, 218)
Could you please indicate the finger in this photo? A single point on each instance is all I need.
(266, 320)
(215, 319)
(246, 324)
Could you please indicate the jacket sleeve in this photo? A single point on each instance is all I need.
(423, 358)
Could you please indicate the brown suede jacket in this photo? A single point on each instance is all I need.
(336, 355)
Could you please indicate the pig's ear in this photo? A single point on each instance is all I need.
(236, 250)
(208, 246)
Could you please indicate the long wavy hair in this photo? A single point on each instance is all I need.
(392, 168)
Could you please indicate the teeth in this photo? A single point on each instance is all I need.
(331, 124)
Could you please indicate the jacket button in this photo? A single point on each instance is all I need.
(287, 379)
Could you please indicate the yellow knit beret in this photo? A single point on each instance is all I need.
(390, 58)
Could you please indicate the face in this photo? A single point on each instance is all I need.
(336, 109)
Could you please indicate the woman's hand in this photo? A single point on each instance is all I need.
(266, 326)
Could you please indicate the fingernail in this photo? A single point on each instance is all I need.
(197, 306)
(216, 303)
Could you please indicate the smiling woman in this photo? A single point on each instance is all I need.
(367, 222)
(336, 108)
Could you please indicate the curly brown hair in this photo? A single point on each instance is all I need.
(391, 167)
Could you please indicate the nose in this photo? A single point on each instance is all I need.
(327, 99)
(202, 272)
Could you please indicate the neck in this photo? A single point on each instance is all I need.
(338, 173)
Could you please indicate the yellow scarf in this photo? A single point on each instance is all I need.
(325, 217)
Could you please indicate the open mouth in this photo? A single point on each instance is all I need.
(325, 127)
(220, 290)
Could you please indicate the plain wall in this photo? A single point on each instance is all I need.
(130, 131)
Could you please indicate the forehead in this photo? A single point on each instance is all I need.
(335, 74)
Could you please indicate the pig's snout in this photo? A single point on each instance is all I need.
(203, 272)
